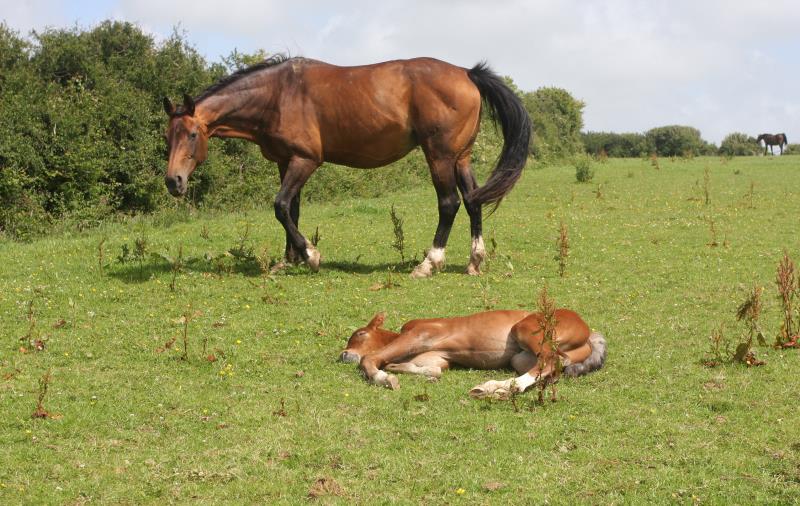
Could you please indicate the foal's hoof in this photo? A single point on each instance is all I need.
(490, 391)
(389, 381)
(314, 259)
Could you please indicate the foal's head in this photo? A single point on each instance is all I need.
(367, 339)
(187, 139)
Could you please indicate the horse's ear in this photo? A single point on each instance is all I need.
(168, 107)
(377, 321)
(188, 104)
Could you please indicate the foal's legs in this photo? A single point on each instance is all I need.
(430, 364)
(467, 183)
(444, 180)
(287, 208)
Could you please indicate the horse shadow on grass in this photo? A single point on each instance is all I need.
(140, 272)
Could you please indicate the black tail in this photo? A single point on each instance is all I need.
(785, 140)
(507, 108)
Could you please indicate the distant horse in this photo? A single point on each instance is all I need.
(303, 112)
(772, 140)
(488, 340)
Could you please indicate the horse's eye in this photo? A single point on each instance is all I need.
(193, 135)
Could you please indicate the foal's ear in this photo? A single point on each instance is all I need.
(377, 321)
(188, 104)
(168, 107)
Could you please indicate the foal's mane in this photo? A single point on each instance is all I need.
(226, 81)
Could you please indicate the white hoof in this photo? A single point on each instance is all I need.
(423, 270)
(389, 381)
(314, 258)
(492, 390)
(473, 270)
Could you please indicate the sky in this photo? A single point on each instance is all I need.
(721, 66)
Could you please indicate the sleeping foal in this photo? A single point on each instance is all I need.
(487, 340)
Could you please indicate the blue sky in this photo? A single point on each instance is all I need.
(719, 65)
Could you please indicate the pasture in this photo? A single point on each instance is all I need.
(275, 419)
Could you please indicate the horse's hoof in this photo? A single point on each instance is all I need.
(278, 267)
(423, 270)
(473, 270)
(392, 382)
(314, 259)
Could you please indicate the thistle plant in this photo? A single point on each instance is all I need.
(750, 312)
(786, 280)
(563, 250)
(399, 235)
(549, 357)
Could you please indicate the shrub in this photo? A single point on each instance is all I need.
(557, 122)
(584, 172)
(738, 144)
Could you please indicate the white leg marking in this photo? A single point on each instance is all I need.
(385, 380)
(314, 258)
(521, 383)
(476, 256)
(434, 260)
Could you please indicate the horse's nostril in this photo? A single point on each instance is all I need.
(178, 178)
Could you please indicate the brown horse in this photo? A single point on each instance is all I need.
(772, 140)
(488, 340)
(302, 113)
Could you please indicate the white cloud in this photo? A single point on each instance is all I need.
(715, 64)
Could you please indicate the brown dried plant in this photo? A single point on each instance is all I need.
(44, 383)
(563, 250)
(549, 357)
(750, 312)
(788, 288)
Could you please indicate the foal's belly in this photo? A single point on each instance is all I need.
(498, 357)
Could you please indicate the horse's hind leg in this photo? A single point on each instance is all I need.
(443, 175)
(467, 183)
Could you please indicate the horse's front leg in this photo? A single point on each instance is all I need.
(287, 209)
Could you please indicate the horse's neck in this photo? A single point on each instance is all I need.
(236, 112)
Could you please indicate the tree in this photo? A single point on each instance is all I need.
(738, 144)
(557, 122)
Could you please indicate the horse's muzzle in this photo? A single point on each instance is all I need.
(176, 185)
(349, 357)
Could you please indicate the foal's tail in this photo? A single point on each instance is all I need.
(595, 360)
(507, 108)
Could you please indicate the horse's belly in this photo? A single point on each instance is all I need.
(367, 144)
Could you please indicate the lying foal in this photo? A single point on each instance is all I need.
(488, 340)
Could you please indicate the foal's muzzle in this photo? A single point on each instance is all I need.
(176, 185)
(349, 357)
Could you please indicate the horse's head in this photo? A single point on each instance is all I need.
(367, 339)
(760, 137)
(187, 139)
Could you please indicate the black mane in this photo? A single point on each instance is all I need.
(272, 61)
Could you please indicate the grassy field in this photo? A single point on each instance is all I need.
(275, 419)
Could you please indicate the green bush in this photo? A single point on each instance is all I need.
(624, 145)
(557, 122)
(677, 140)
(584, 171)
(738, 144)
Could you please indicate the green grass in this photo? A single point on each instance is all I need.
(276, 412)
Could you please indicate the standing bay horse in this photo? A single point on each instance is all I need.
(303, 112)
(772, 140)
(488, 340)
